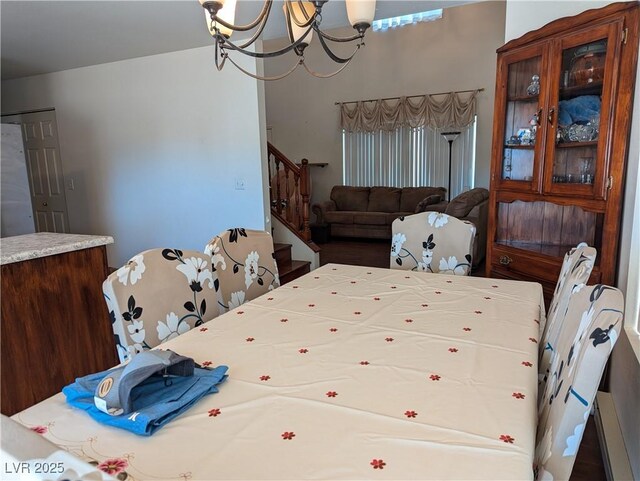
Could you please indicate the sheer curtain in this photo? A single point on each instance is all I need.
(397, 142)
(409, 156)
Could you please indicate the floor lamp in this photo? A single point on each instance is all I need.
(450, 137)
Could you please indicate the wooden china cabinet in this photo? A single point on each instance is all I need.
(564, 96)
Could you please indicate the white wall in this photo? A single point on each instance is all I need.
(457, 52)
(154, 146)
(523, 16)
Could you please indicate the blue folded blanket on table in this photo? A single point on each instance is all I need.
(155, 402)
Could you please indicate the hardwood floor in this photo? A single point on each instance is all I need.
(375, 253)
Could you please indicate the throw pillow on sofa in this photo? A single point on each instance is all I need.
(463, 204)
(427, 201)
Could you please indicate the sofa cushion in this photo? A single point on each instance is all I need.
(339, 217)
(427, 201)
(370, 218)
(412, 195)
(462, 204)
(350, 198)
(384, 199)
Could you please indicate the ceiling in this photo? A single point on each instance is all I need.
(48, 36)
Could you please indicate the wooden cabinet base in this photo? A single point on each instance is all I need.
(55, 325)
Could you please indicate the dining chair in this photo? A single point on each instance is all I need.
(245, 263)
(575, 271)
(158, 295)
(591, 327)
(432, 242)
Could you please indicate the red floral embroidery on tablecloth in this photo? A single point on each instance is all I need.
(368, 273)
(40, 429)
(357, 313)
(376, 298)
(364, 363)
(206, 363)
(334, 329)
(408, 320)
(407, 277)
(487, 297)
(536, 321)
(533, 339)
(353, 282)
(303, 350)
(453, 349)
(265, 378)
(495, 287)
(438, 292)
(527, 363)
(288, 435)
(378, 464)
(425, 305)
(269, 298)
(284, 319)
(316, 277)
(204, 329)
(312, 305)
(518, 395)
(250, 339)
(506, 438)
(332, 394)
(393, 287)
(449, 282)
(113, 466)
(334, 269)
(295, 287)
(388, 339)
(410, 414)
(478, 312)
(214, 412)
(334, 293)
(239, 312)
(467, 329)
(434, 377)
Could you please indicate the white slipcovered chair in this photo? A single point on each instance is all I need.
(432, 242)
(576, 269)
(160, 294)
(245, 263)
(590, 329)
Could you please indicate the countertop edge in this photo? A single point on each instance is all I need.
(33, 253)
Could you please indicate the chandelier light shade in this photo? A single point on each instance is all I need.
(303, 19)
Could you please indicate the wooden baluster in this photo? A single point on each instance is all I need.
(297, 210)
(287, 194)
(304, 191)
(278, 203)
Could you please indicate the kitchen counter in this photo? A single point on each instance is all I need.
(43, 244)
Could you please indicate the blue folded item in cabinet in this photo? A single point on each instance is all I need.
(578, 109)
(154, 402)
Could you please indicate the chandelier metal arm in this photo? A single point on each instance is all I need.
(292, 14)
(326, 36)
(226, 43)
(254, 37)
(268, 79)
(266, 8)
(329, 75)
(332, 55)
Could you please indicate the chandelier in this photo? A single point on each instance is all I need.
(303, 19)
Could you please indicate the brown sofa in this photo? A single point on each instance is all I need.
(369, 211)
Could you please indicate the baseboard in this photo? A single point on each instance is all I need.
(614, 453)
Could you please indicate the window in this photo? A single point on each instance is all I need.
(403, 20)
(408, 157)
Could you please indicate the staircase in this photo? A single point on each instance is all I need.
(289, 192)
(289, 269)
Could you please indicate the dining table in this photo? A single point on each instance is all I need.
(348, 372)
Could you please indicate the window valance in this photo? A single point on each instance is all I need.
(448, 110)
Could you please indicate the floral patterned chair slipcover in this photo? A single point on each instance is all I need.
(432, 242)
(246, 265)
(592, 324)
(158, 295)
(576, 269)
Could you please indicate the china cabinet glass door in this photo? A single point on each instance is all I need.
(525, 82)
(578, 117)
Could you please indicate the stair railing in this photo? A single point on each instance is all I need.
(289, 191)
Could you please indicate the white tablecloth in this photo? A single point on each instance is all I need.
(346, 373)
